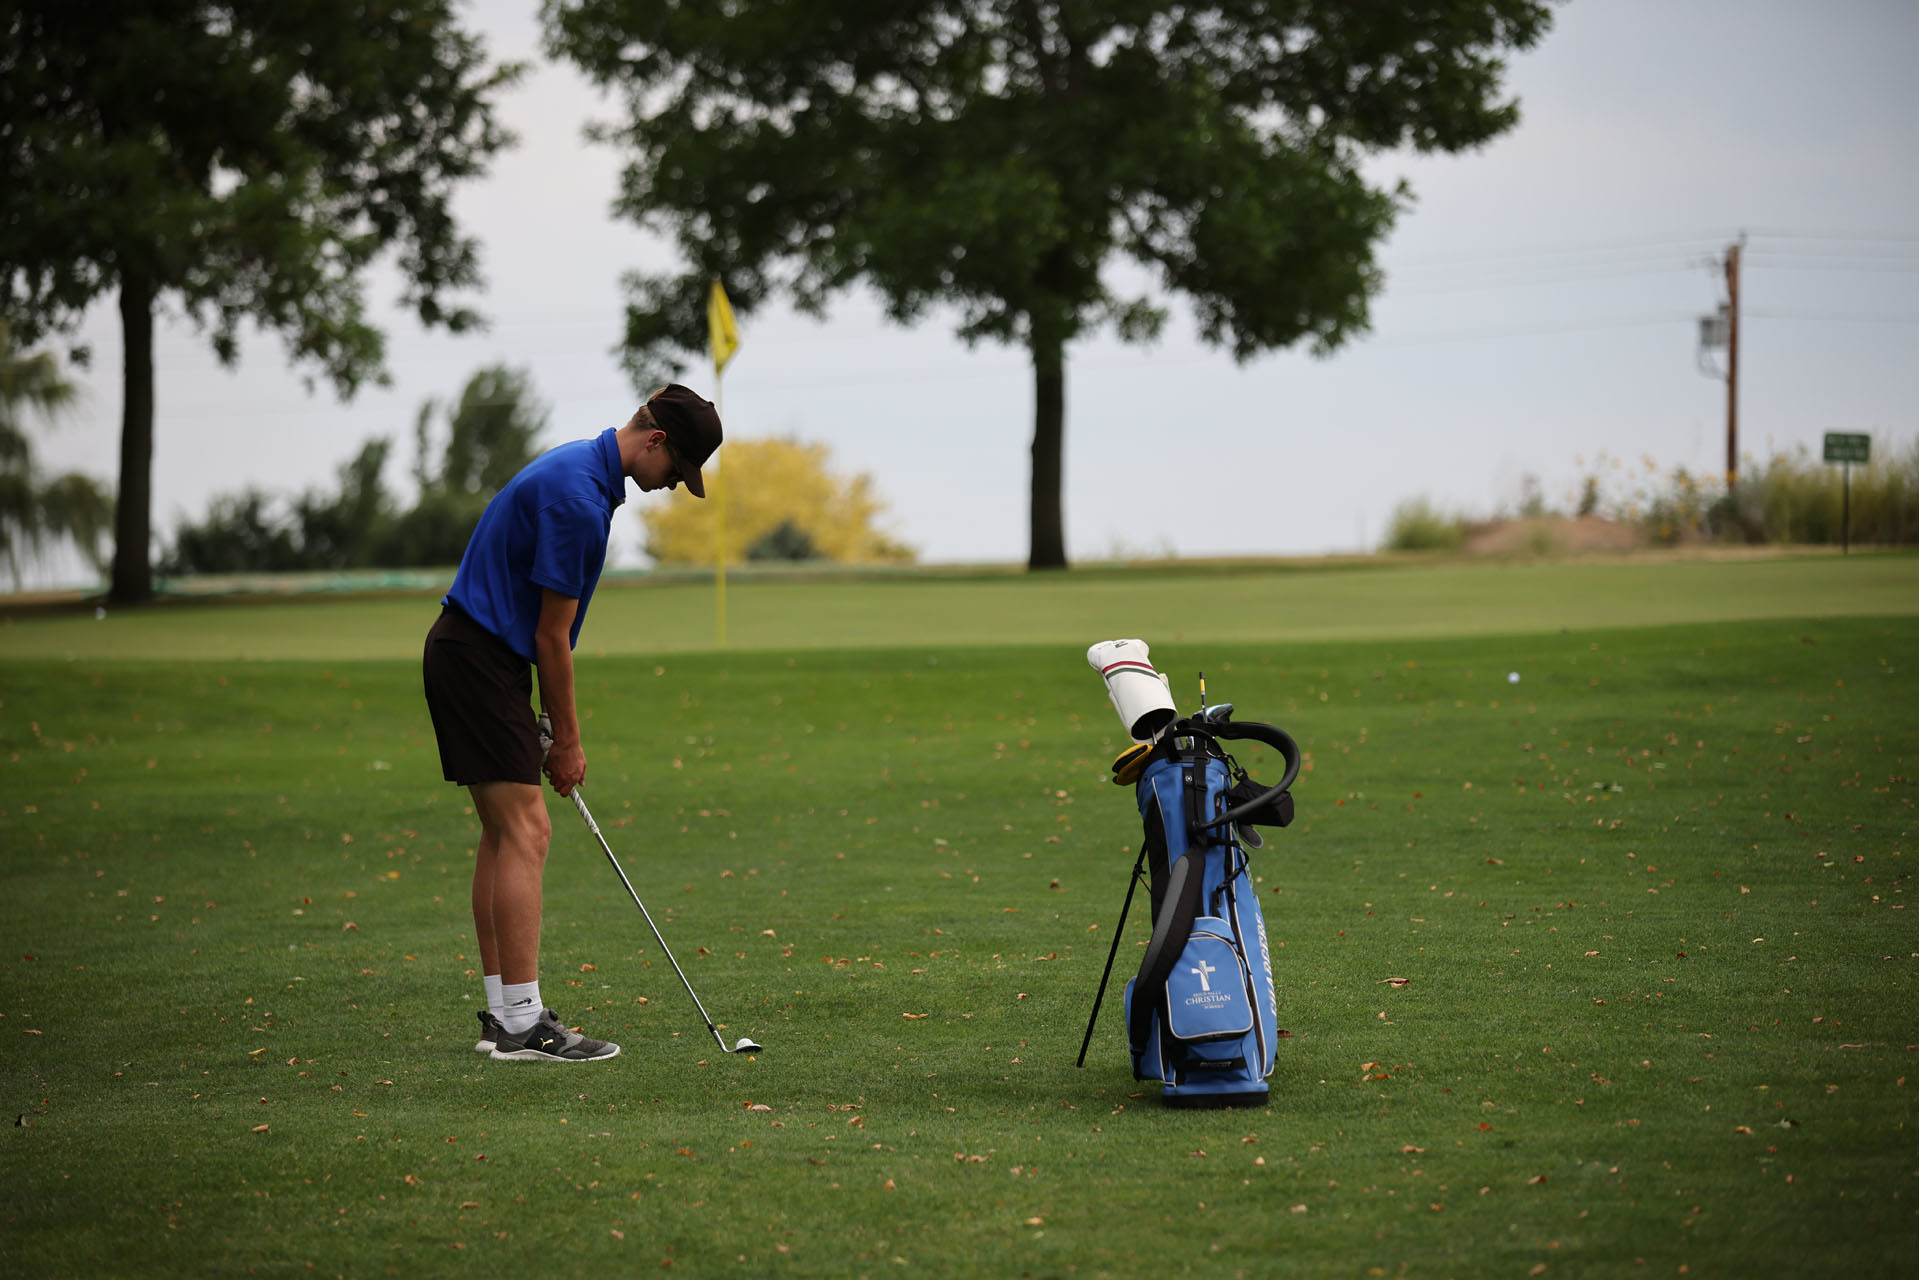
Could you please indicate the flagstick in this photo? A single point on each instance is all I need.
(723, 337)
(719, 498)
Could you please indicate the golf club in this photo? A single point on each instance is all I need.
(745, 1044)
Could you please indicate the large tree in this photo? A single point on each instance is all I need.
(246, 160)
(994, 155)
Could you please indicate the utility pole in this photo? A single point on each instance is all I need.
(1732, 363)
(1721, 329)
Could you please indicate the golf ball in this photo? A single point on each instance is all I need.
(1512, 677)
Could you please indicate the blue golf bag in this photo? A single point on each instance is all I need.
(1201, 1014)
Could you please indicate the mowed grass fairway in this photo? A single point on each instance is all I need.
(1608, 972)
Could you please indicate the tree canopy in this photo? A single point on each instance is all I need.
(783, 502)
(247, 160)
(993, 156)
(492, 431)
(37, 510)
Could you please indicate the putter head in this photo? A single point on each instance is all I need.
(747, 1045)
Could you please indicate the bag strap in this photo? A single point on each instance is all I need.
(1185, 882)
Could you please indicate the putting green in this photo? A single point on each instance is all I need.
(1201, 603)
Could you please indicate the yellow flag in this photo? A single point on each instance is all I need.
(721, 333)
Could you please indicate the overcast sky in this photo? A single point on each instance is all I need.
(1541, 307)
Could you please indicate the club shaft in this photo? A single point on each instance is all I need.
(579, 802)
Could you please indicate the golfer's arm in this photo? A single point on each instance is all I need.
(553, 656)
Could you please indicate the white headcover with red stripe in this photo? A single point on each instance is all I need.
(1138, 692)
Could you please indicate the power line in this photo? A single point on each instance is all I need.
(1538, 330)
(1764, 233)
(1468, 257)
(1482, 284)
(1836, 317)
(1895, 266)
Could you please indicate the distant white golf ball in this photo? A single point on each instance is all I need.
(1512, 677)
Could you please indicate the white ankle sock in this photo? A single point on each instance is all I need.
(520, 1005)
(495, 1002)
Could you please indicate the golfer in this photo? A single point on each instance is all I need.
(515, 608)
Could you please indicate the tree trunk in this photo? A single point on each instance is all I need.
(132, 523)
(1048, 548)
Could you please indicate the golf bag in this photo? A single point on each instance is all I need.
(1201, 1013)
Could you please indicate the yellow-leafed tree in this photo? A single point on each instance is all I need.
(783, 502)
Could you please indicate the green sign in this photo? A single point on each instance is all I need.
(1843, 446)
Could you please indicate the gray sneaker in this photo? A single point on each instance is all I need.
(549, 1041)
(490, 1032)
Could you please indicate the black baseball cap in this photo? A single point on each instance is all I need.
(692, 427)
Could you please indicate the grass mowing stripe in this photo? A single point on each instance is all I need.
(1251, 605)
(1649, 907)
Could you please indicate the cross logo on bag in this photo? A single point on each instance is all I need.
(1202, 971)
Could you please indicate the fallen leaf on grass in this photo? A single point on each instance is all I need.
(913, 1017)
(259, 1128)
(1395, 983)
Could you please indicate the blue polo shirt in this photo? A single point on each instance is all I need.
(547, 528)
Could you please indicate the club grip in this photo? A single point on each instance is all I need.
(579, 802)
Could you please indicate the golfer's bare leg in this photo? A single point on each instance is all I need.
(507, 873)
(485, 863)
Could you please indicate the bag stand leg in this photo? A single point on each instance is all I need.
(1132, 885)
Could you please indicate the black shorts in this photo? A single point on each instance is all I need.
(480, 694)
